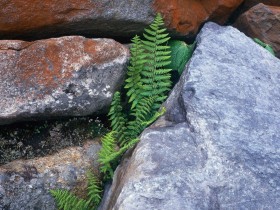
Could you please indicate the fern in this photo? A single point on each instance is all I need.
(140, 115)
(156, 78)
(106, 152)
(117, 118)
(147, 85)
(94, 191)
(68, 201)
(134, 83)
(110, 153)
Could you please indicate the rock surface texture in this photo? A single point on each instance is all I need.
(67, 76)
(217, 147)
(26, 184)
(117, 18)
(263, 22)
(250, 3)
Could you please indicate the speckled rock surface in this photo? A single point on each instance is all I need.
(35, 19)
(25, 184)
(217, 147)
(262, 22)
(67, 76)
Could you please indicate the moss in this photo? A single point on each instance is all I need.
(36, 139)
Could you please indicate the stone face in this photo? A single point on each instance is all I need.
(67, 76)
(105, 18)
(263, 22)
(250, 3)
(186, 16)
(217, 146)
(25, 184)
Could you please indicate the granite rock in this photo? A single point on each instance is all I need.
(217, 146)
(26, 184)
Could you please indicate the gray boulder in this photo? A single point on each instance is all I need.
(217, 147)
(59, 77)
(26, 184)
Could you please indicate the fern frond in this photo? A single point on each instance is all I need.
(133, 83)
(117, 118)
(155, 77)
(94, 190)
(109, 145)
(65, 200)
(141, 114)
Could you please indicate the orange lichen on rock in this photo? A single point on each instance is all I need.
(46, 64)
(29, 14)
(186, 16)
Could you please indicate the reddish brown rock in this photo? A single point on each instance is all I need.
(250, 3)
(40, 19)
(262, 22)
(67, 76)
(186, 16)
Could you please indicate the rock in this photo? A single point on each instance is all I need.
(250, 3)
(103, 18)
(262, 22)
(187, 16)
(25, 184)
(39, 139)
(67, 76)
(217, 147)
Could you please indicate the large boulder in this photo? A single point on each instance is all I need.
(263, 22)
(67, 76)
(41, 19)
(26, 184)
(217, 146)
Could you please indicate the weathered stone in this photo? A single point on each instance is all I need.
(39, 139)
(217, 147)
(251, 3)
(262, 22)
(67, 76)
(186, 16)
(25, 184)
(105, 18)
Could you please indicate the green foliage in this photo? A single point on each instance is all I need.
(180, 55)
(68, 201)
(94, 191)
(265, 46)
(147, 86)
(133, 82)
(107, 153)
(155, 76)
(117, 118)
(110, 153)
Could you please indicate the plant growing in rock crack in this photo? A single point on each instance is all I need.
(265, 46)
(68, 201)
(147, 84)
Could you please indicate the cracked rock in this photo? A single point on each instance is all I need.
(217, 147)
